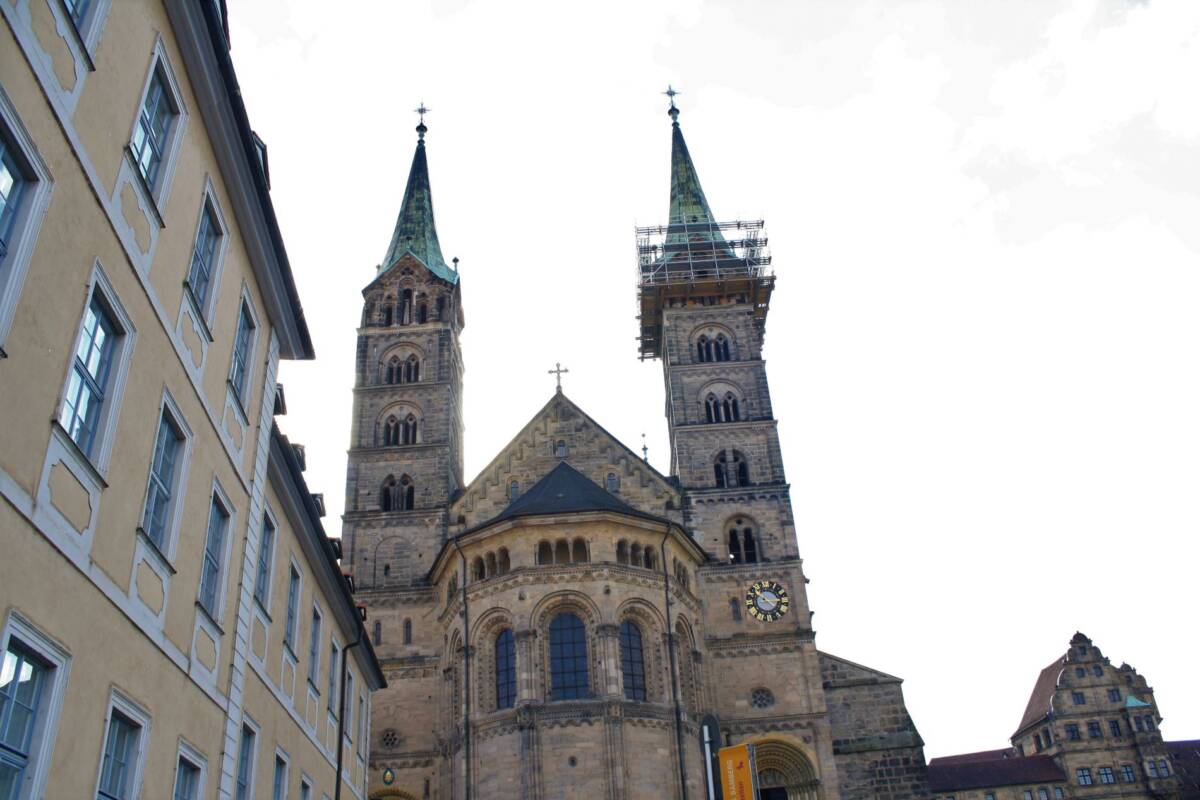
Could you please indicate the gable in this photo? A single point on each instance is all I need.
(403, 267)
(591, 450)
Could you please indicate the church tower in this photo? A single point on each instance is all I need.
(405, 459)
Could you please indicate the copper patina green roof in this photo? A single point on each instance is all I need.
(415, 230)
(690, 220)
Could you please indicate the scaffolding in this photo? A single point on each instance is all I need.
(700, 263)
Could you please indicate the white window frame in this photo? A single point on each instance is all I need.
(121, 703)
(281, 755)
(194, 757)
(205, 308)
(289, 647)
(31, 210)
(99, 285)
(306, 782)
(92, 25)
(169, 408)
(160, 192)
(264, 602)
(251, 774)
(314, 646)
(243, 403)
(41, 747)
(218, 495)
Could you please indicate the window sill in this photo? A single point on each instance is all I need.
(159, 555)
(82, 459)
(208, 615)
(147, 189)
(199, 312)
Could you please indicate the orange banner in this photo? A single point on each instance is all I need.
(738, 778)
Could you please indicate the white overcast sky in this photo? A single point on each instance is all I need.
(984, 341)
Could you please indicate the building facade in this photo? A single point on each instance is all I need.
(572, 623)
(1090, 730)
(174, 620)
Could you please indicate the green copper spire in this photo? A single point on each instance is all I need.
(690, 220)
(415, 230)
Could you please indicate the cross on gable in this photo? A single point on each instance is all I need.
(557, 372)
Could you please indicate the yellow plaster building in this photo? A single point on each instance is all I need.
(174, 620)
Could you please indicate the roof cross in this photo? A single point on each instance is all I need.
(422, 111)
(557, 372)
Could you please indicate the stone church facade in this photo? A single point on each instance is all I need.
(570, 622)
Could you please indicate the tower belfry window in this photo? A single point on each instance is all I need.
(731, 470)
(406, 307)
(721, 347)
(408, 432)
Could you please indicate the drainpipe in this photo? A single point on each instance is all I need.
(671, 652)
(466, 676)
(341, 734)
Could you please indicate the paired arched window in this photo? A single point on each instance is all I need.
(407, 370)
(568, 658)
(731, 470)
(636, 556)
(722, 409)
(490, 565)
(633, 664)
(743, 546)
(563, 552)
(400, 431)
(715, 348)
(397, 495)
(506, 670)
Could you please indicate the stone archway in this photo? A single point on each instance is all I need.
(784, 772)
(392, 794)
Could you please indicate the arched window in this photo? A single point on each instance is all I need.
(735, 609)
(731, 470)
(490, 562)
(568, 658)
(408, 431)
(404, 493)
(735, 547)
(721, 347)
(712, 409)
(422, 313)
(704, 349)
(560, 449)
(412, 369)
(477, 568)
(649, 560)
(391, 431)
(408, 631)
(731, 412)
(622, 552)
(387, 316)
(502, 562)
(506, 670)
(562, 552)
(441, 308)
(377, 633)
(391, 373)
(635, 554)
(749, 546)
(579, 551)
(387, 570)
(612, 482)
(514, 490)
(633, 666)
(545, 554)
(388, 494)
(406, 298)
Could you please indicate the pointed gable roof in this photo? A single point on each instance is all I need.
(415, 231)
(1042, 696)
(564, 490)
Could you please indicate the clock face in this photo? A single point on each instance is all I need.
(766, 601)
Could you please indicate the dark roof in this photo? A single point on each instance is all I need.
(415, 231)
(1043, 693)
(1185, 758)
(564, 490)
(950, 774)
(690, 221)
(982, 755)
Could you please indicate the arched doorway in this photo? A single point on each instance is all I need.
(784, 772)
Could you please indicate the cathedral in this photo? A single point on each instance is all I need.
(572, 623)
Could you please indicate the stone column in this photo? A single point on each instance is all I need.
(527, 664)
(608, 682)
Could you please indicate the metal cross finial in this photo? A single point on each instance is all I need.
(557, 372)
(671, 92)
(645, 450)
(422, 110)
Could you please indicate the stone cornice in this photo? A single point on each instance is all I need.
(765, 644)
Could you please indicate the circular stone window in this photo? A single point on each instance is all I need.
(390, 738)
(762, 698)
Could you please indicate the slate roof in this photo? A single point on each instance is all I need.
(982, 755)
(415, 231)
(959, 773)
(564, 490)
(1185, 758)
(1043, 694)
